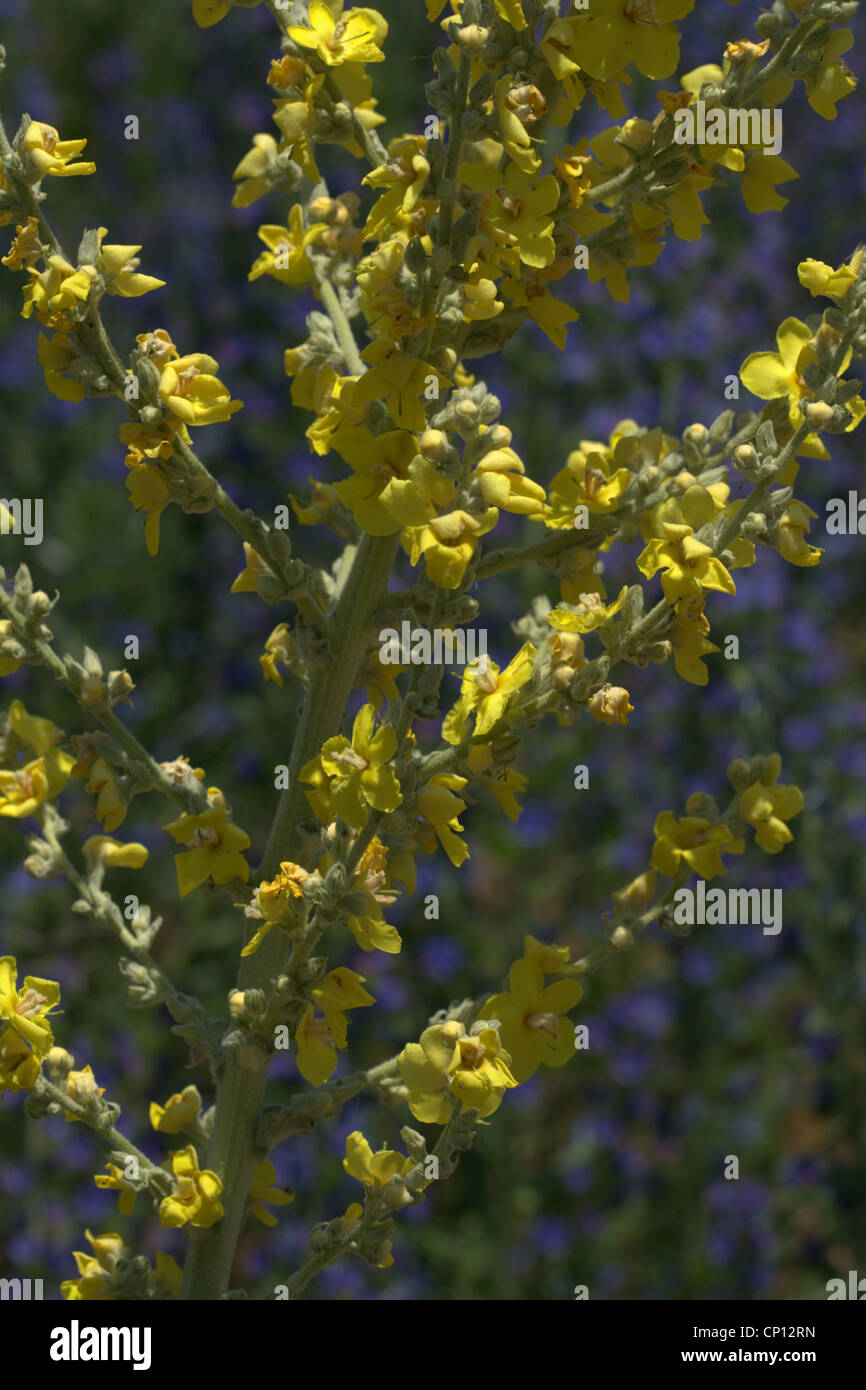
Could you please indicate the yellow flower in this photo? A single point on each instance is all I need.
(501, 480)
(373, 1170)
(552, 960)
(57, 289)
(338, 37)
(486, 691)
(318, 1038)
(591, 612)
(794, 526)
(95, 1271)
(833, 80)
(689, 566)
(149, 492)
(767, 807)
(689, 641)
(610, 704)
(447, 544)
(400, 381)
(820, 278)
(214, 846)
(588, 479)
(771, 375)
(531, 1026)
(372, 881)
(448, 1061)
(111, 807)
(393, 484)
(56, 355)
(25, 1037)
(119, 266)
(181, 1111)
(278, 650)
(81, 1086)
(439, 805)
(694, 841)
(195, 1200)
(286, 257)
(208, 12)
(503, 782)
(520, 209)
(26, 246)
(101, 849)
(50, 154)
(263, 1191)
(112, 1181)
(24, 788)
(358, 771)
(254, 568)
(620, 32)
(191, 391)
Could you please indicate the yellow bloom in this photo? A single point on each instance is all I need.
(689, 641)
(820, 278)
(400, 381)
(393, 484)
(372, 880)
(50, 154)
(439, 805)
(610, 704)
(374, 1170)
(486, 691)
(338, 37)
(25, 1036)
(358, 771)
(794, 526)
(767, 807)
(55, 291)
(591, 612)
(26, 246)
(181, 1111)
(24, 788)
(619, 32)
(505, 784)
(191, 391)
(119, 266)
(278, 650)
(501, 480)
(531, 1026)
(473, 1067)
(208, 12)
(149, 492)
(214, 846)
(101, 849)
(447, 544)
(110, 804)
(286, 257)
(195, 1200)
(588, 479)
(318, 1038)
(56, 355)
(81, 1086)
(694, 841)
(689, 566)
(833, 80)
(263, 1191)
(771, 375)
(112, 1181)
(95, 1271)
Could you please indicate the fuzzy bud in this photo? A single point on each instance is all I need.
(636, 134)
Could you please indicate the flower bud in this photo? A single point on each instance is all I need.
(237, 1004)
(434, 445)
(59, 1063)
(93, 692)
(818, 413)
(622, 939)
(636, 134)
(473, 37)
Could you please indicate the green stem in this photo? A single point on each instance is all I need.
(232, 1152)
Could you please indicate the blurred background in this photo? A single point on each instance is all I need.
(608, 1172)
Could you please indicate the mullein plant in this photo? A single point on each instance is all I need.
(452, 239)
